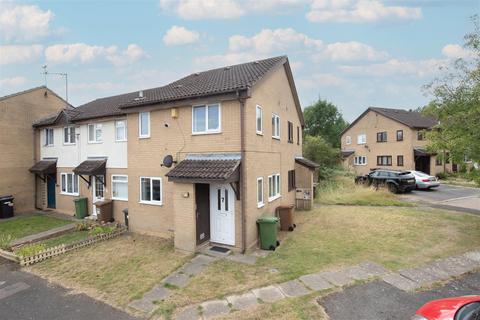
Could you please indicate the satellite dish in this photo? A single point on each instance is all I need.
(168, 161)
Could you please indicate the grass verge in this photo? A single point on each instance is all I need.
(343, 191)
(31, 224)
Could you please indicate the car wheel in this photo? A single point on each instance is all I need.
(392, 188)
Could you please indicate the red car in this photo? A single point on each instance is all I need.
(460, 308)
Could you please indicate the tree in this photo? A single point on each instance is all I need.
(321, 152)
(323, 119)
(456, 104)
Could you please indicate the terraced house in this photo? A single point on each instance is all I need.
(199, 159)
(391, 138)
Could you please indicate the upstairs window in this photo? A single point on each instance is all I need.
(69, 135)
(95, 134)
(206, 118)
(290, 131)
(144, 125)
(420, 135)
(382, 136)
(48, 137)
(361, 139)
(348, 140)
(275, 126)
(259, 119)
(399, 135)
(121, 130)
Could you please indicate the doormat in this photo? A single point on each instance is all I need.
(219, 249)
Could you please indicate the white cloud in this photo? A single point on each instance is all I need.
(321, 80)
(359, 11)
(10, 54)
(24, 22)
(199, 9)
(65, 53)
(226, 9)
(13, 82)
(268, 40)
(456, 51)
(353, 50)
(97, 86)
(179, 35)
(394, 67)
(227, 59)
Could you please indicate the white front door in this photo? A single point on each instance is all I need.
(97, 192)
(222, 214)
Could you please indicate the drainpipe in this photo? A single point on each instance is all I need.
(242, 171)
(35, 200)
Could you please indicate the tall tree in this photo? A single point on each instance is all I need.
(323, 119)
(456, 103)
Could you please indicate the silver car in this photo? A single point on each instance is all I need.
(425, 181)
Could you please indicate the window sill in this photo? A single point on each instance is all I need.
(69, 144)
(361, 143)
(119, 199)
(69, 194)
(95, 142)
(260, 205)
(48, 145)
(120, 140)
(151, 203)
(205, 133)
(274, 198)
(360, 165)
(276, 138)
(259, 133)
(143, 137)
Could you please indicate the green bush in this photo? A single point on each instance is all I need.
(442, 175)
(5, 239)
(101, 229)
(30, 250)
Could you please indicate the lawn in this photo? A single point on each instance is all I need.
(31, 224)
(116, 271)
(334, 236)
(342, 190)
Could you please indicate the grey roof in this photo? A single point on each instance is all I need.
(63, 116)
(307, 163)
(205, 170)
(413, 119)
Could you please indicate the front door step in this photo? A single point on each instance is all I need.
(216, 251)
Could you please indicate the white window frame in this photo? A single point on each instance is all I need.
(275, 126)
(140, 135)
(96, 126)
(260, 203)
(348, 140)
(152, 202)
(207, 130)
(257, 109)
(69, 135)
(49, 143)
(124, 121)
(362, 138)
(114, 182)
(64, 184)
(275, 178)
(360, 161)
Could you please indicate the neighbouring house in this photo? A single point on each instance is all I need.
(199, 159)
(17, 112)
(391, 138)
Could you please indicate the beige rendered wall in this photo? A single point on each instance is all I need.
(17, 114)
(264, 155)
(145, 158)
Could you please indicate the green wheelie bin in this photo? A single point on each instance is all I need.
(80, 208)
(267, 228)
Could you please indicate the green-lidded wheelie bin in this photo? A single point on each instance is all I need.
(267, 228)
(80, 208)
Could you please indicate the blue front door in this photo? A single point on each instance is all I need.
(51, 191)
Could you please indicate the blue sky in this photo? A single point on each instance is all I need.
(354, 53)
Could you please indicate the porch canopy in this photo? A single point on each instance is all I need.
(420, 152)
(347, 153)
(206, 171)
(91, 168)
(43, 167)
(307, 163)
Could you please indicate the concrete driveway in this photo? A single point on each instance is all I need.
(449, 197)
(378, 300)
(25, 296)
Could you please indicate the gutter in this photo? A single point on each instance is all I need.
(242, 171)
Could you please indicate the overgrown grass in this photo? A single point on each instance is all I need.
(342, 190)
(330, 237)
(116, 271)
(27, 225)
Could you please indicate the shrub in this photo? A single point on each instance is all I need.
(5, 240)
(30, 250)
(101, 229)
(84, 226)
(441, 175)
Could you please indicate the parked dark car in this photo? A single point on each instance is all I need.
(395, 181)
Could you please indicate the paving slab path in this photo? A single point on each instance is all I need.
(406, 280)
